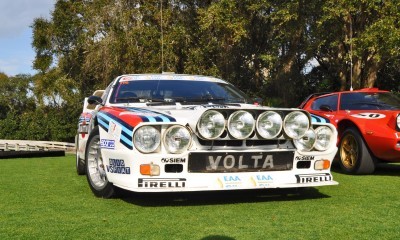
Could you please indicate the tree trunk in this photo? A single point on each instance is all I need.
(357, 71)
(372, 74)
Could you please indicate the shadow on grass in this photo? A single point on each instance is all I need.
(219, 197)
(387, 169)
(217, 237)
(381, 169)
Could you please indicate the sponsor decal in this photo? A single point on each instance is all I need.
(369, 115)
(231, 181)
(230, 161)
(313, 178)
(161, 182)
(173, 160)
(115, 130)
(261, 180)
(305, 158)
(126, 78)
(118, 166)
(107, 143)
(207, 106)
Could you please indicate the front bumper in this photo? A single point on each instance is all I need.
(123, 170)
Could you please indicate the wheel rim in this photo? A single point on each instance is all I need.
(96, 171)
(349, 151)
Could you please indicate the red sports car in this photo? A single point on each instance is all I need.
(368, 124)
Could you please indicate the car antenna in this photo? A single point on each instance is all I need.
(162, 38)
(351, 53)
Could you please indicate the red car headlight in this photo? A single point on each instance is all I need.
(398, 122)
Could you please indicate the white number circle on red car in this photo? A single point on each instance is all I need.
(369, 115)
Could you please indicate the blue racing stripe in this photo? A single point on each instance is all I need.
(319, 119)
(159, 118)
(125, 127)
(127, 130)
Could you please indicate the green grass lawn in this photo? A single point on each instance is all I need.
(44, 198)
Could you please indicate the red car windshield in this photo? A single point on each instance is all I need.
(369, 101)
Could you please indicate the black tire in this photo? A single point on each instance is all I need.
(354, 155)
(95, 169)
(80, 163)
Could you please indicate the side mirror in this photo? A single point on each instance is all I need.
(325, 108)
(258, 101)
(95, 100)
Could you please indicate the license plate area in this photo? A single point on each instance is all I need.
(217, 162)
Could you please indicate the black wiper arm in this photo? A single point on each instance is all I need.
(132, 99)
(127, 99)
(236, 100)
(206, 99)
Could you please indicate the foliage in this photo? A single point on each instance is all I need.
(280, 50)
(61, 206)
(27, 112)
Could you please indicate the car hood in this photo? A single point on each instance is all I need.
(180, 114)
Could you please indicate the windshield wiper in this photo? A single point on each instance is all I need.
(137, 99)
(206, 99)
(129, 99)
(236, 100)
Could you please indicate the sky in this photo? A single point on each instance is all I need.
(16, 17)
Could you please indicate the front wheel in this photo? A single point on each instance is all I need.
(355, 157)
(95, 169)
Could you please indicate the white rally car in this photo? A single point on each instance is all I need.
(173, 132)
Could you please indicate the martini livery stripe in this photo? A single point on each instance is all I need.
(127, 130)
(82, 119)
(151, 116)
(318, 119)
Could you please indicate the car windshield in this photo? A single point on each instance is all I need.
(170, 91)
(369, 101)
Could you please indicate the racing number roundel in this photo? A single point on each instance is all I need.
(369, 115)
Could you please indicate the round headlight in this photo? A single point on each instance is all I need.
(177, 139)
(324, 137)
(269, 124)
(146, 139)
(211, 124)
(398, 121)
(307, 141)
(241, 124)
(296, 124)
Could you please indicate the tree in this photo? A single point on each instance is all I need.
(363, 32)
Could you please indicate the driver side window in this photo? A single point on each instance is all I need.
(325, 103)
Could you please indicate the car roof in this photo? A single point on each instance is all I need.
(168, 76)
(363, 90)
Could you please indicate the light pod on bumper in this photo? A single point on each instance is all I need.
(147, 139)
(241, 124)
(324, 138)
(177, 139)
(269, 124)
(307, 141)
(296, 124)
(211, 124)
